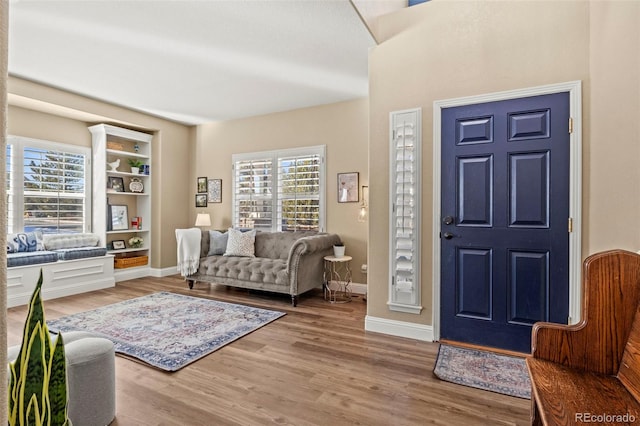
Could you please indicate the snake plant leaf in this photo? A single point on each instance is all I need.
(34, 375)
(37, 386)
(58, 384)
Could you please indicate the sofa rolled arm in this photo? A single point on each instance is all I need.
(309, 245)
(312, 244)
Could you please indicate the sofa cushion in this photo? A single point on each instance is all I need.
(252, 269)
(217, 242)
(80, 253)
(22, 242)
(66, 241)
(31, 258)
(240, 243)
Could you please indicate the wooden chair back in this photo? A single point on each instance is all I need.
(611, 296)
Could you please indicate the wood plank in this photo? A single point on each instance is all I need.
(314, 366)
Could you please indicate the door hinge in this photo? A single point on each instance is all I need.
(570, 125)
(570, 224)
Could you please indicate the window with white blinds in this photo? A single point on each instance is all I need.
(280, 190)
(48, 186)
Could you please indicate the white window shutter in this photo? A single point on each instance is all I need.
(405, 194)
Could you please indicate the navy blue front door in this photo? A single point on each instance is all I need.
(505, 212)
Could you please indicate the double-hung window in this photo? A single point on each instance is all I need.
(48, 186)
(280, 190)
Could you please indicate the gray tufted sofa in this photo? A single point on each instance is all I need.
(285, 262)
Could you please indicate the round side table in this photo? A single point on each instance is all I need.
(337, 279)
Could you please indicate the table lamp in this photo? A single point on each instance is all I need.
(203, 219)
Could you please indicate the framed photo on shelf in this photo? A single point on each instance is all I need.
(118, 244)
(202, 185)
(116, 184)
(119, 217)
(201, 200)
(348, 189)
(215, 190)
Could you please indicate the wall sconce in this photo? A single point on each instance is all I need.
(363, 213)
(203, 219)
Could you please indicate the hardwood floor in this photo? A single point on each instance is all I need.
(314, 366)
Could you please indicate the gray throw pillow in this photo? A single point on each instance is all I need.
(217, 243)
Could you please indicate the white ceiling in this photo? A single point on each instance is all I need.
(194, 61)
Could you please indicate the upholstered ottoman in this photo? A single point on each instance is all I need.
(90, 378)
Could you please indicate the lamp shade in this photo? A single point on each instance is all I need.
(203, 219)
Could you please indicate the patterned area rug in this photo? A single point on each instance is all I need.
(483, 370)
(168, 330)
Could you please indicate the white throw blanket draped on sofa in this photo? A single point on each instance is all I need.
(188, 250)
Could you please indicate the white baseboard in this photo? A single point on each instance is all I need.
(358, 288)
(164, 272)
(399, 328)
(125, 274)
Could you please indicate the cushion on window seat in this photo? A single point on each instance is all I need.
(80, 253)
(24, 242)
(31, 258)
(67, 241)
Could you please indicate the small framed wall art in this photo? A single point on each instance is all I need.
(201, 185)
(215, 190)
(118, 244)
(201, 200)
(348, 188)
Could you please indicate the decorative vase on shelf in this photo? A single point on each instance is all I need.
(135, 170)
(338, 250)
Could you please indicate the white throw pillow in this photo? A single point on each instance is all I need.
(241, 243)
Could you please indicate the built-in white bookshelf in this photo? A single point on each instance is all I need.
(119, 192)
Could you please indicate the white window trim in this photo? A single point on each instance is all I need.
(319, 150)
(18, 144)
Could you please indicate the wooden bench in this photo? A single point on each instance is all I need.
(590, 372)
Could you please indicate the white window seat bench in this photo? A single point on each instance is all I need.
(61, 278)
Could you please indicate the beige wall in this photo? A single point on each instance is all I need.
(51, 114)
(444, 49)
(612, 150)
(342, 127)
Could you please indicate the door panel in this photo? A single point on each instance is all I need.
(529, 191)
(475, 203)
(474, 285)
(528, 286)
(505, 184)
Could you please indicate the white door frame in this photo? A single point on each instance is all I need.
(575, 185)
